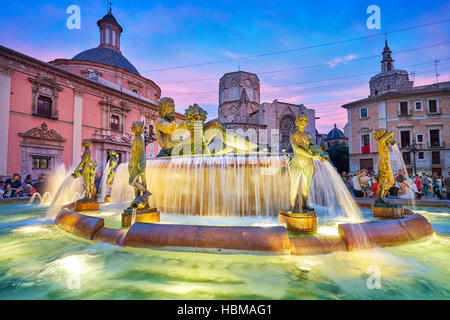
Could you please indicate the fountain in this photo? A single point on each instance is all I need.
(302, 190)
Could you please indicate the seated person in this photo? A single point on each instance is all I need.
(39, 186)
(13, 186)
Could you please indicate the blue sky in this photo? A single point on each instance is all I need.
(162, 34)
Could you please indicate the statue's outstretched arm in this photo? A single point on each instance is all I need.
(387, 137)
(299, 150)
(170, 127)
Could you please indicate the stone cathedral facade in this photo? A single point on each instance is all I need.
(240, 109)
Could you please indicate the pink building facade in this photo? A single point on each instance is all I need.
(47, 109)
(418, 116)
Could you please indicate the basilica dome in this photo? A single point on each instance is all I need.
(107, 56)
(335, 133)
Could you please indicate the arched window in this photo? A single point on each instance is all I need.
(287, 126)
(107, 35)
(115, 122)
(113, 38)
(389, 67)
(231, 114)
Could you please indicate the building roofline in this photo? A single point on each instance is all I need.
(76, 61)
(80, 78)
(432, 88)
(254, 74)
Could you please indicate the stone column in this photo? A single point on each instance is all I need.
(77, 124)
(5, 99)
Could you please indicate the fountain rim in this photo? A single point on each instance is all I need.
(247, 239)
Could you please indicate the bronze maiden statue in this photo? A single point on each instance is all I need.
(86, 169)
(139, 207)
(300, 217)
(383, 208)
(113, 162)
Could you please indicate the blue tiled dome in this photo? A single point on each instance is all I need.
(335, 133)
(107, 56)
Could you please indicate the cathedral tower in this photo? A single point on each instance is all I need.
(239, 96)
(389, 79)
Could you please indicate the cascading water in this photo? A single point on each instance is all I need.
(34, 196)
(397, 163)
(69, 191)
(55, 179)
(104, 188)
(224, 186)
(328, 194)
(233, 186)
(121, 191)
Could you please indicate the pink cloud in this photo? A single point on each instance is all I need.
(338, 61)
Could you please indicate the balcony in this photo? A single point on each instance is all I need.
(365, 149)
(436, 144)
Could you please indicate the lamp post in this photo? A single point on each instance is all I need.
(414, 149)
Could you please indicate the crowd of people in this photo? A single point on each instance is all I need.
(16, 187)
(364, 184)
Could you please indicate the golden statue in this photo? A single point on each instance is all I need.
(301, 167)
(86, 170)
(93, 189)
(385, 176)
(113, 162)
(170, 138)
(136, 167)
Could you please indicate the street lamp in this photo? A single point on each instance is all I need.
(414, 149)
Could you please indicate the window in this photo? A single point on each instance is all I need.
(407, 158)
(113, 37)
(433, 106)
(115, 122)
(418, 105)
(107, 35)
(101, 35)
(41, 162)
(363, 113)
(135, 91)
(44, 106)
(421, 155)
(435, 157)
(434, 138)
(420, 138)
(405, 139)
(365, 143)
(366, 164)
(233, 93)
(403, 108)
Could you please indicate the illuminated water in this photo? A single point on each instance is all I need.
(40, 261)
(232, 186)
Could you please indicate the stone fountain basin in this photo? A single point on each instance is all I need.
(238, 239)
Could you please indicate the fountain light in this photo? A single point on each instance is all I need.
(75, 263)
(29, 229)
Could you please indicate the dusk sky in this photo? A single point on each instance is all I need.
(161, 35)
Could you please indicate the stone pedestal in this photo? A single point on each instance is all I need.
(388, 210)
(298, 222)
(107, 199)
(147, 215)
(86, 205)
